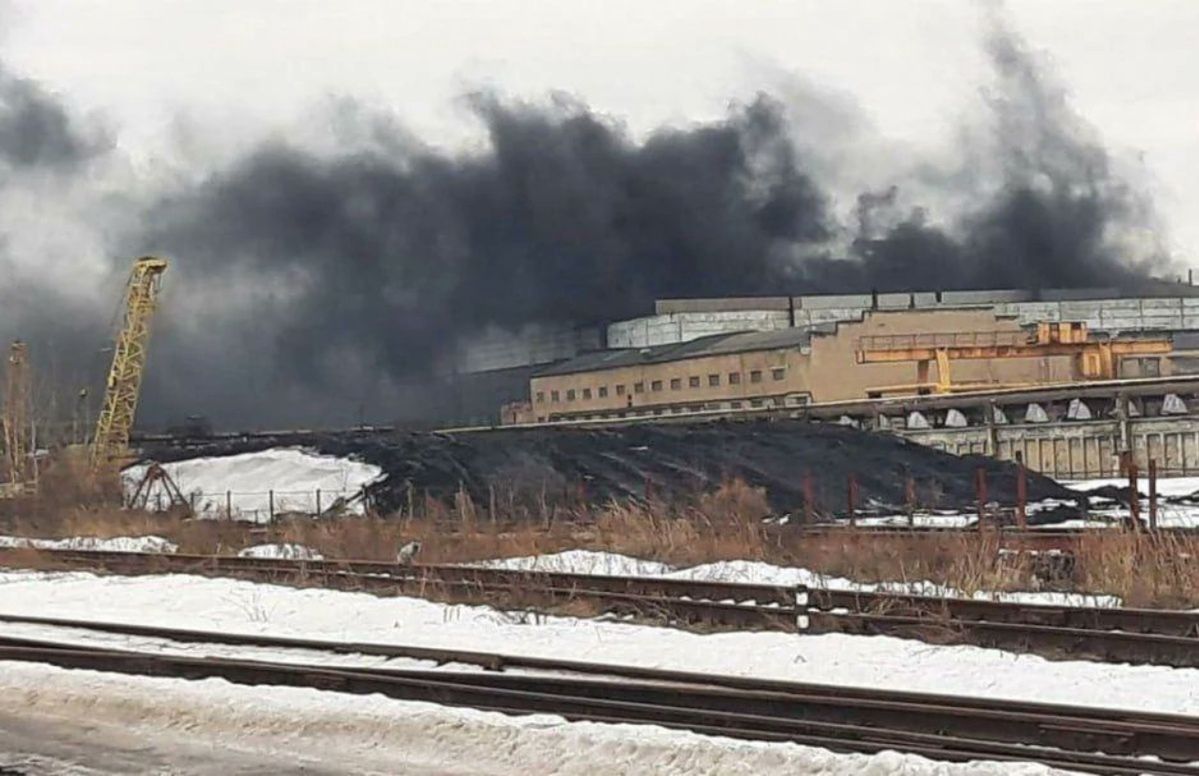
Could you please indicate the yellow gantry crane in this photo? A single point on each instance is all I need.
(111, 442)
(18, 426)
(1094, 358)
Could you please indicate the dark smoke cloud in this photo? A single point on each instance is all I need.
(315, 288)
(1060, 216)
(385, 259)
(37, 131)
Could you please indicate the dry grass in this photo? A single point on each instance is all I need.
(726, 524)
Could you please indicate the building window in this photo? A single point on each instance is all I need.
(693, 381)
(676, 384)
(713, 380)
(755, 403)
(620, 390)
(553, 396)
(735, 405)
(541, 418)
(570, 394)
(658, 412)
(778, 373)
(540, 397)
(656, 385)
(638, 387)
(603, 391)
(586, 393)
(696, 408)
(734, 378)
(755, 376)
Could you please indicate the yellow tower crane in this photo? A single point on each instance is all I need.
(18, 426)
(111, 442)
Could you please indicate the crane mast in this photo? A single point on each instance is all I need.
(18, 428)
(111, 441)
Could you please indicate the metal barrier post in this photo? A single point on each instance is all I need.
(909, 498)
(851, 498)
(318, 502)
(271, 503)
(1021, 492)
(809, 498)
(1152, 494)
(1134, 498)
(980, 491)
(229, 504)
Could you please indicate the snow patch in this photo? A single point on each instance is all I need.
(243, 484)
(758, 572)
(113, 544)
(582, 562)
(285, 551)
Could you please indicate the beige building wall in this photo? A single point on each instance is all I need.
(835, 374)
(747, 378)
(826, 370)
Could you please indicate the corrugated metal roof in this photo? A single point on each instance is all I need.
(712, 345)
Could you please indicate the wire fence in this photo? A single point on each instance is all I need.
(262, 506)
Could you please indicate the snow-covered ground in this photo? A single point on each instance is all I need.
(324, 732)
(245, 482)
(239, 606)
(758, 572)
(1178, 500)
(113, 544)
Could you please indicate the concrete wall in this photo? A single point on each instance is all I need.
(1079, 450)
(682, 327)
(498, 348)
(725, 381)
(1112, 315)
(724, 304)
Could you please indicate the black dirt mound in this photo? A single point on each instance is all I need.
(670, 462)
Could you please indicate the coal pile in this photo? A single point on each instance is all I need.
(669, 462)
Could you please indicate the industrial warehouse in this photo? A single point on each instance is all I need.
(736, 354)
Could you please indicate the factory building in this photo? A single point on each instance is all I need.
(790, 366)
(494, 367)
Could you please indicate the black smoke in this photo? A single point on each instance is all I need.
(323, 287)
(38, 132)
(383, 260)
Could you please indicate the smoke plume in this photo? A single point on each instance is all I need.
(312, 286)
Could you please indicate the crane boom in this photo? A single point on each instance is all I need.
(111, 442)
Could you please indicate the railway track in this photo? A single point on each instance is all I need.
(845, 719)
(1161, 637)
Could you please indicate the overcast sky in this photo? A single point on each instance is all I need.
(231, 70)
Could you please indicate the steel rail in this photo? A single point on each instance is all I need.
(942, 727)
(1163, 637)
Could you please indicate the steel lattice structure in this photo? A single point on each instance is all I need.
(111, 442)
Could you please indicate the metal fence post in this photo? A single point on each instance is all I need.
(809, 498)
(229, 504)
(909, 499)
(1134, 498)
(980, 491)
(1152, 494)
(1021, 492)
(271, 504)
(318, 502)
(851, 498)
